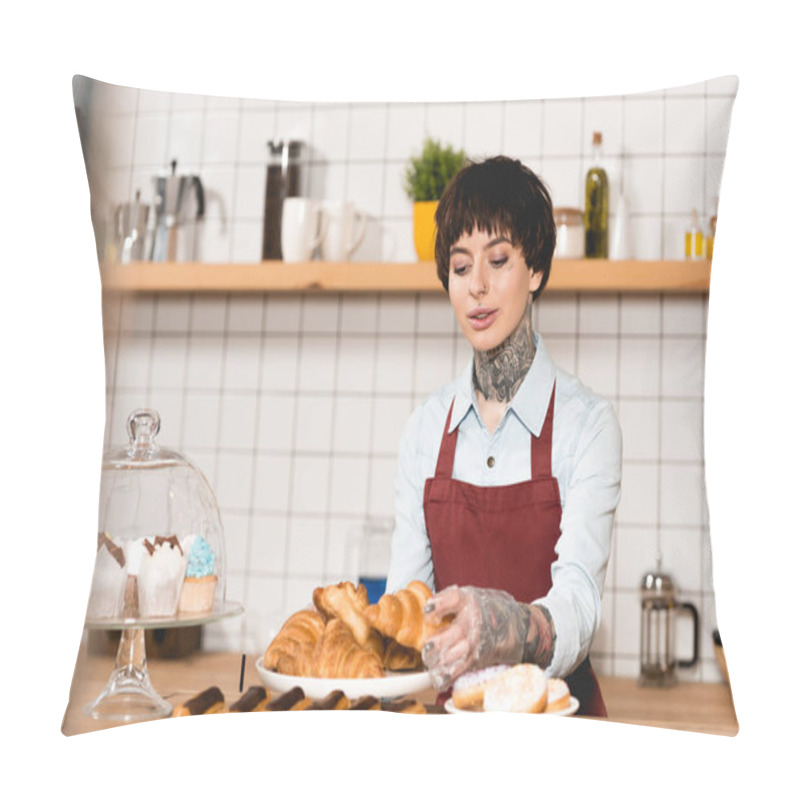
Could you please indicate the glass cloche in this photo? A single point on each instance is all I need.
(160, 562)
(160, 547)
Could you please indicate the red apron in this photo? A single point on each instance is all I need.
(502, 537)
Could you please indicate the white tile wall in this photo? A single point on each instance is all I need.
(292, 405)
(664, 149)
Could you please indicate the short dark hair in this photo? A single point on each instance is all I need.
(499, 195)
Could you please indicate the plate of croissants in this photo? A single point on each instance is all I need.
(342, 641)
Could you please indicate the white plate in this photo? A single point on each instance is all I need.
(565, 712)
(395, 684)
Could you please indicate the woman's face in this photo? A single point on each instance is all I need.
(489, 286)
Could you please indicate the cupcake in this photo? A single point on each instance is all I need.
(107, 597)
(200, 582)
(161, 571)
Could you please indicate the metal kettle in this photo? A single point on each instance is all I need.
(179, 202)
(660, 608)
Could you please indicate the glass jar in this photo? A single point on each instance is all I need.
(569, 233)
(370, 549)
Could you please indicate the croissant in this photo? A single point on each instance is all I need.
(337, 654)
(292, 649)
(399, 615)
(327, 598)
(397, 657)
(346, 602)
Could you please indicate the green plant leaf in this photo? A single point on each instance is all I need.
(428, 174)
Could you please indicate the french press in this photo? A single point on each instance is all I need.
(283, 180)
(659, 611)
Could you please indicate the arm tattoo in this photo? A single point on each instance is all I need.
(504, 623)
(498, 373)
(541, 637)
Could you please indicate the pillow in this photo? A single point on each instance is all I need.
(291, 403)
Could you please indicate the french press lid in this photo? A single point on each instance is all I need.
(657, 586)
(280, 149)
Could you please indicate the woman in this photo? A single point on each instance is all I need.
(508, 477)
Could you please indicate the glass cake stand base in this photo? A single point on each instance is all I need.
(129, 695)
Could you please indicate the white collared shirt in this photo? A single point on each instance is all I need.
(587, 462)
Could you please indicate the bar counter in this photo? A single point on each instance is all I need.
(699, 707)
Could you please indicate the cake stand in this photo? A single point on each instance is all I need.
(129, 695)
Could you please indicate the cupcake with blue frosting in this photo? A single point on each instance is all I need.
(200, 580)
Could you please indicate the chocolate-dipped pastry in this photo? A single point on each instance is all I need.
(117, 553)
(254, 699)
(366, 703)
(335, 701)
(210, 701)
(405, 705)
(172, 541)
(293, 700)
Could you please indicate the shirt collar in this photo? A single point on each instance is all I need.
(530, 401)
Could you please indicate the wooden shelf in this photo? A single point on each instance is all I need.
(584, 275)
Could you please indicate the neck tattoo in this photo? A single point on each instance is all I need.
(498, 373)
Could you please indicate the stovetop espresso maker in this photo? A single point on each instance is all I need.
(179, 205)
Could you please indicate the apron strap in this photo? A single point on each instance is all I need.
(447, 451)
(541, 448)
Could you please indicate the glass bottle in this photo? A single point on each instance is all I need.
(694, 244)
(710, 237)
(595, 215)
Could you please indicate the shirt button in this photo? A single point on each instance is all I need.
(490, 461)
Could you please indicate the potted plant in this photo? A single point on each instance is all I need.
(425, 179)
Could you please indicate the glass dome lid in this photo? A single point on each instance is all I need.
(160, 546)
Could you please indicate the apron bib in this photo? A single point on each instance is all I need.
(502, 537)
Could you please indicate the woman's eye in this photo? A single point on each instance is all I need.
(498, 262)
(459, 269)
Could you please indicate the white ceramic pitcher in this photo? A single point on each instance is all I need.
(302, 228)
(345, 231)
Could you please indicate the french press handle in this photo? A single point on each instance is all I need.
(695, 617)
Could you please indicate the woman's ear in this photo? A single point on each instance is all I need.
(536, 280)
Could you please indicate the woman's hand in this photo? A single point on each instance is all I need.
(488, 627)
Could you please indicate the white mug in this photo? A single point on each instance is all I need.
(303, 225)
(345, 231)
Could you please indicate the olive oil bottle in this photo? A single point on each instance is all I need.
(595, 214)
